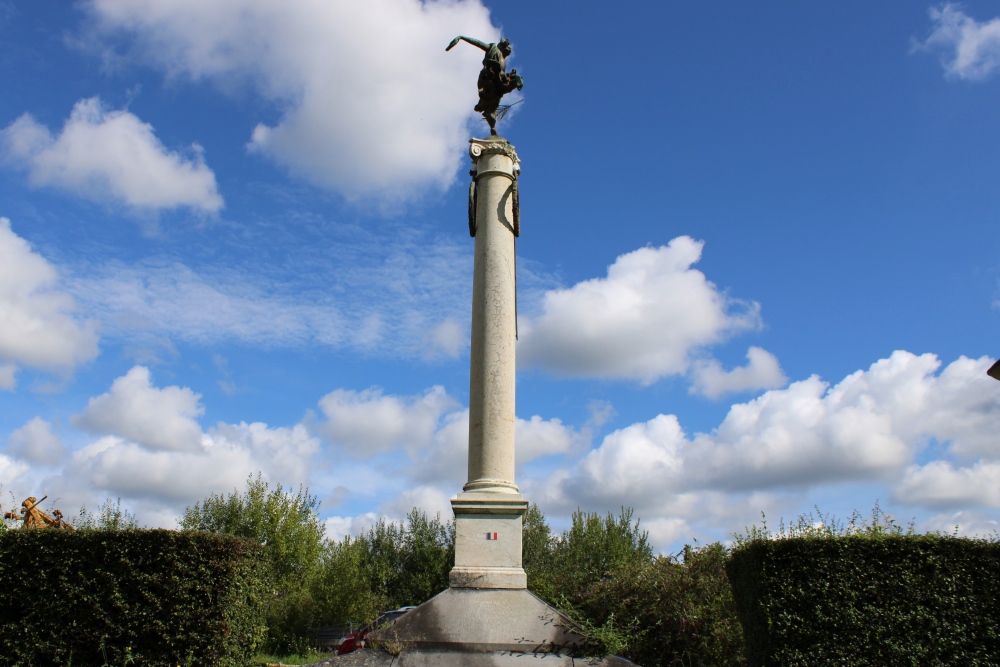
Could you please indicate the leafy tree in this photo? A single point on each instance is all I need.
(671, 611)
(391, 565)
(594, 548)
(341, 589)
(288, 526)
(536, 553)
(109, 516)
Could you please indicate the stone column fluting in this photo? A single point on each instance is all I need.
(489, 512)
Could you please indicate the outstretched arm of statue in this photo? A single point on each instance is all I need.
(475, 42)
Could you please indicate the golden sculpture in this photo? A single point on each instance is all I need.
(32, 517)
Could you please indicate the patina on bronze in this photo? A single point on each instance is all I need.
(494, 81)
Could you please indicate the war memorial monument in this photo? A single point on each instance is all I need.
(487, 616)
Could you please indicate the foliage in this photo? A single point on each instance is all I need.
(154, 598)
(602, 573)
(591, 550)
(390, 566)
(821, 525)
(671, 611)
(288, 527)
(902, 598)
(109, 516)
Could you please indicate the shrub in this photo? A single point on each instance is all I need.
(150, 597)
(866, 594)
(288, 527)
(669, 611)
(109, 516)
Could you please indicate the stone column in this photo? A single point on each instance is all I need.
(489, 512)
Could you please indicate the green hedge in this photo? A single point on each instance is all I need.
(862, 600)
(144, 597)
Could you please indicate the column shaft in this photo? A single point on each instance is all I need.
(492, 368)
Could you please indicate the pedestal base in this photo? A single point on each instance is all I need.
(483, 628)
(488, 541)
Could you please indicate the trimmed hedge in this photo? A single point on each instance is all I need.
(862, 600)
(145, 597)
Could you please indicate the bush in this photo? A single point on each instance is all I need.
(288, 527)
(670, 611)
(150, 597)
(109, 516)
(868, 594)
(653, 610)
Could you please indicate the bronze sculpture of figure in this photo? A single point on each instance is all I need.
(494, 81)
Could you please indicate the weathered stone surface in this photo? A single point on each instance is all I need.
(376, 658)
(484, 620)
(501, 659)
(488, 540)
(492, 362)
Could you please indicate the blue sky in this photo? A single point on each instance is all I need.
(758, 268)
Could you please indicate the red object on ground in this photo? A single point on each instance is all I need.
(355, 640)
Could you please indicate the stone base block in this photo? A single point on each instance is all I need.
(501, 659)
(484, 627)
(488, 540)
(487, 577)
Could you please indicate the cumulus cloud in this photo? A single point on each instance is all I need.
(431, 500)
(35, 442)
(431, 426)
(11, 469)
(38, 324)
(160, 419)
(369, 422)
(642, 322)
(108, 155)
(969, 49)
(869, 426)
(941, 484)
(170, 480)
(761, 372)
(372, 103)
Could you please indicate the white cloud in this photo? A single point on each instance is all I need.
(8, 376)
(969, 49)
(169, 480)
(38, 327)
(429, 499)
(368, 422)
(643, 321)
(136, 410)
(377, 297)
(868, 426)
(35, 442)
(448, 338)
(284, 453)
(536, 437)
(11, 469)
(110, 155)
(761, 372)
(372, 103)
(940, 484)
(965, 523)
(339, 527)
(445, 460)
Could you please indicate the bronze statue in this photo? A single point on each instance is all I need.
(494, 81)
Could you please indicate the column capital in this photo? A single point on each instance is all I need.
(494, 146)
